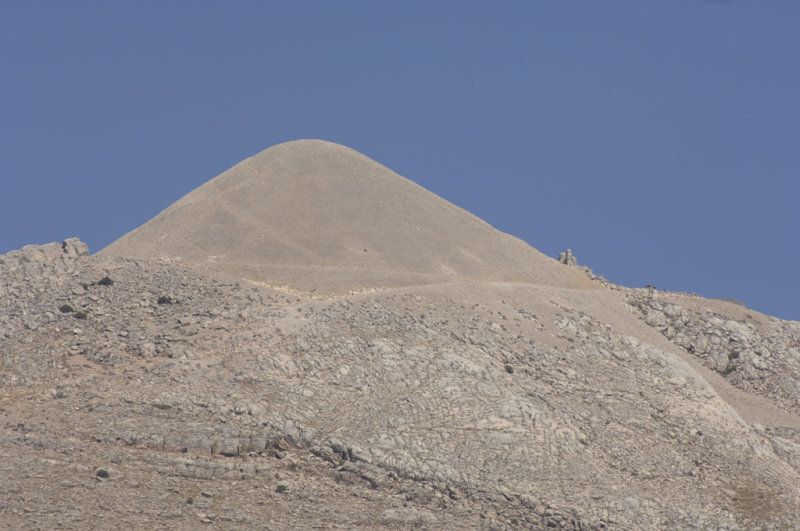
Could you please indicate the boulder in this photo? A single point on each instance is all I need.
(74, 247)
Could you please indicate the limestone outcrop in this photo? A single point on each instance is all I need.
(436, 406)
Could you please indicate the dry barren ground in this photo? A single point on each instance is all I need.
(312, 341)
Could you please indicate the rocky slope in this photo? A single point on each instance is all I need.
(141, 392)
(490, 405)
(730, 339)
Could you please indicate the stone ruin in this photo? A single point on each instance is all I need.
(567, 258)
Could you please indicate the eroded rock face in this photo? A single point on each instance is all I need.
(754, 352)
(74, 247)
(443, 406)
(64, 251)
(30, 273)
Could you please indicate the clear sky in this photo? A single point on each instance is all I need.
(660, 140)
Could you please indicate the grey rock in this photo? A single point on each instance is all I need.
(407, 517)
(566, 258)
(73, 247)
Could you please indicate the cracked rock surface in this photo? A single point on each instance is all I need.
(755, 352)
(148, 393)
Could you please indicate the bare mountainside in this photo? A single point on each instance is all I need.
(240, 361)
(317, 215)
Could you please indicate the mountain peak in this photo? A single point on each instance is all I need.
(315, 214)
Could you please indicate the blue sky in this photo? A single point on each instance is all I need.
(659, 140)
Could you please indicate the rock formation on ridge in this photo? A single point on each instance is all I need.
(567, 258)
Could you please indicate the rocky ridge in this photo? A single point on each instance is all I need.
(164, 395)
(756, 353)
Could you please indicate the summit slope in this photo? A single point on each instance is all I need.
(317, 215)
